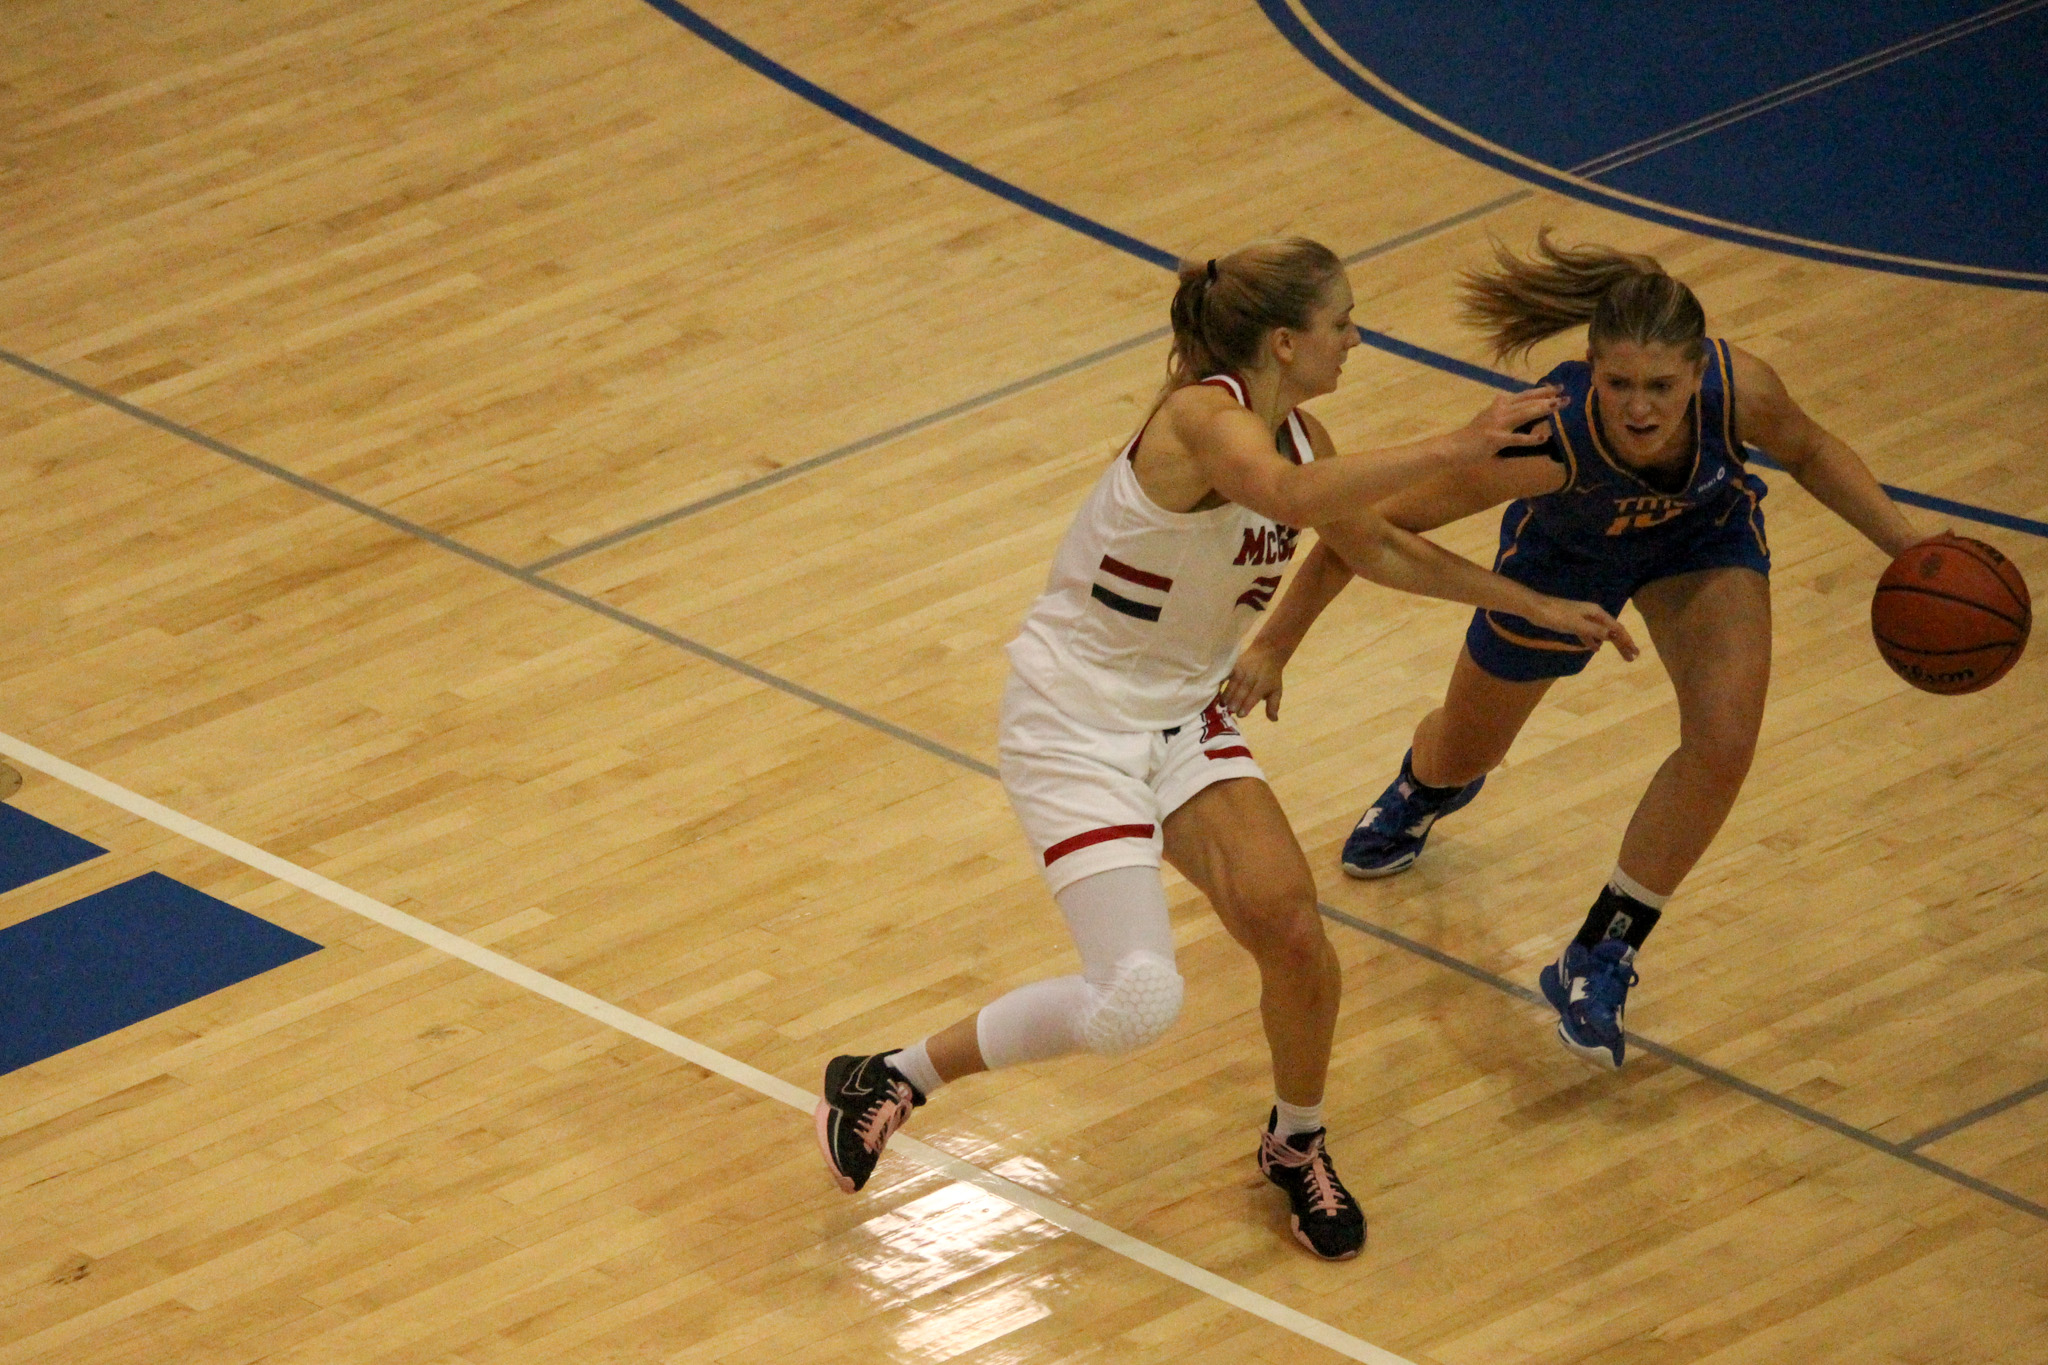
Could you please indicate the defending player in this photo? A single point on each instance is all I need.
(1115, 749)
(1645, 496)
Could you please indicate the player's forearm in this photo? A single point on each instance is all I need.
(1316, 584)
(1837, 476)
(1437, 501)
(1336, 488)
(1406, 562)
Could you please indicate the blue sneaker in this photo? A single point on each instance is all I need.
(1588, 987)
(1389, 836)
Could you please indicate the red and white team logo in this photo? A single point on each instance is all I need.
(1217, 723)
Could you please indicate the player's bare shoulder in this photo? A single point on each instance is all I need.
(1167, 464)
(1766, 414)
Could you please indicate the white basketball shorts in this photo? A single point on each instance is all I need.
(1091, 799)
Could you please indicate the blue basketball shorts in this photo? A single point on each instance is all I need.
(1608, 570)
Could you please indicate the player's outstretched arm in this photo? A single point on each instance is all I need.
(1767, 416)
(1423, 505)
(1405, 561)
(1235, 456)
(1450, 497)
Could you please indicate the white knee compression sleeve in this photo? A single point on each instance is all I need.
(1137, 1007)
(1128, 994)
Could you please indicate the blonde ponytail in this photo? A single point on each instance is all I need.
(1621, 296)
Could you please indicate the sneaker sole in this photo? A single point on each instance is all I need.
(1596, 1056)
(1302, 1238)
(822, 1117)
(1369, 874)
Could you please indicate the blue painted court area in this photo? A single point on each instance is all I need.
(32, 849)
(118, 957)
(1914, 128)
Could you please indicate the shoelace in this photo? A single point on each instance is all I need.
(1325, 1198)
(881, 1122)
(1607, 985)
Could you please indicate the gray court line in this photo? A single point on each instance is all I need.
(1975, 1116)
(492, 562)
(974, 404)
(938, 750)
(1800, 89)
(1903, 1151)
(866, 443)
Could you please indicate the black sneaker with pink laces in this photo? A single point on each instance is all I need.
(865, 1103)
(1327, 1220)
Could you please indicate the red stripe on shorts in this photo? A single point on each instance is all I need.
(1234, 751)
(1097, 836)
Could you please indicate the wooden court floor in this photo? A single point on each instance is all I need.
(509, 491)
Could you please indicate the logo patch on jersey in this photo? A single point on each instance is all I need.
(1267, 545)
(1641, 513)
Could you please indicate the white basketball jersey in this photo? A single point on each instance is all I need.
(1139, 623)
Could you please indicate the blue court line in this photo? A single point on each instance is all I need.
(1578, 187)
(931, 419)
(760, 62)
(757, 61)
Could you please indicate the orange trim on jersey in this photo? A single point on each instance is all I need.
(1735, 450)
(1528, 642)
(1564, 442)
(1515, 538)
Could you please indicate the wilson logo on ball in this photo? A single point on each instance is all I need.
(1951, 615)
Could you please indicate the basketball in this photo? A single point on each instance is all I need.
(1951, 615)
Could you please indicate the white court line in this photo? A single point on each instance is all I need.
(497, 964)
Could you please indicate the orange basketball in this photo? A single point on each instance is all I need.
(1951, 615)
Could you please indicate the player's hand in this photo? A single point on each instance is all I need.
(1254, 679)
(1513, 419)
(1586, 620)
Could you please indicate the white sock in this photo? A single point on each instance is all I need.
(1296, 1118)
(914, 1064)
(1635, 890)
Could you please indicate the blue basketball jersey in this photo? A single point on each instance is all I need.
(1610, 530)
(1604, 497)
